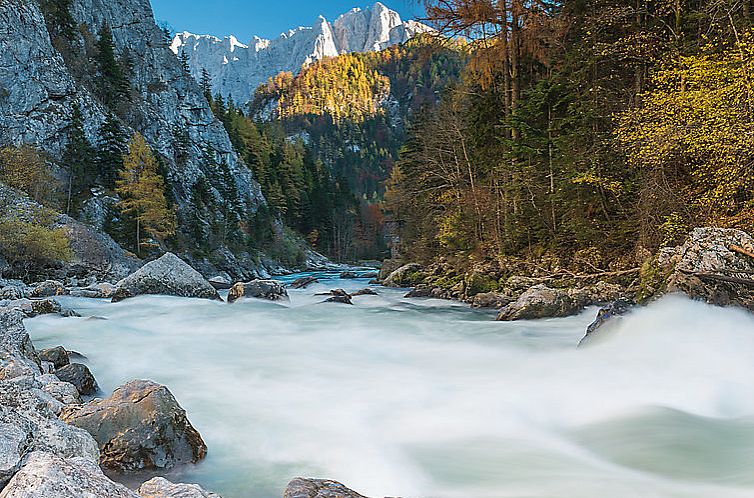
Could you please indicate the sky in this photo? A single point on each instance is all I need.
(264, 18)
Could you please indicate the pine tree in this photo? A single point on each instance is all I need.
(113, 145)
(206, 85)
(142, 191)
(113, 87)
(79, 159)
(181, 144)
(184, 60)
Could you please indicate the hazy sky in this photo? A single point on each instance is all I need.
(265, 18)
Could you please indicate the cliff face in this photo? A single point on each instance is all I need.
(237, 70)
(38, 91)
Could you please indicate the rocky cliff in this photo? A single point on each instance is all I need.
(39, 89)
(237, 70)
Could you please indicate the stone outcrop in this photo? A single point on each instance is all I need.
(271, 290)
(45, 475)
(79, 375)
(707, 267)
(169, 276)
(540, 301)
(17, 355)
(405, 276)
(160, 487)
(141, 426)
(318, 488)
(35, 307)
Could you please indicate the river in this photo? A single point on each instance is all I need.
(430, 399)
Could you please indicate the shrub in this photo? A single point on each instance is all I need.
(29, 244)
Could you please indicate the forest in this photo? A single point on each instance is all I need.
(584, 132)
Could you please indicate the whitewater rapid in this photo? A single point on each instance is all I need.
(429, 399)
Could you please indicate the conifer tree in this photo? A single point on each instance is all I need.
(184, 59)
(113, 86)
(206, 85)
(113, 145)
(141, 189)
(79, 159)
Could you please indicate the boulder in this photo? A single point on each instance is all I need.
(493, 300)
(220, 282)
(348, 275)
(45, 475)
(340, 299)
(49, 288)
(420, 291)
(102, 290)
(365, 292)
(272, 290)
(13, 290)
(160, 487)
(318, 488)
(708, 268)
(141, 426)
(35, 307)
(607, 317)
(303, 282)
(58, 356)
(18, 357)
(405, 276)
(540, 301)
(80, 376)
(169, 276)
(370, 275)
(65, 392)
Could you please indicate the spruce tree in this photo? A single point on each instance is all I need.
(206, 85)
(79, 159)
(114, 87)
(113, 145)
(184, 59)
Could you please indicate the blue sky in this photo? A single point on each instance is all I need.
(265, 18)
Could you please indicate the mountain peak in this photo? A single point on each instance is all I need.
(237, 69)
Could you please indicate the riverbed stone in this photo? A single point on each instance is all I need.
(159, 487)
(13, 289)
(405, 276)
(365, 292)
(45, 475)
(35, 307)
(80, 376)
(102, 290)
(49, 288)
(340, 300)
(65, 392)
(18, 358)
(169, 276)
(318, 488)
(540, 301)
(58, 356)
(271, 290)
(303, 282)
(607, 318)
(141, 426)
(709, 252)
(492, 300)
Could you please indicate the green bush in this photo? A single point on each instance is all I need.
(29, 244)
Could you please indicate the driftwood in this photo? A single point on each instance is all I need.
(741, 250)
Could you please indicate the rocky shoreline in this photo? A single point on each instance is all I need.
(56, 438)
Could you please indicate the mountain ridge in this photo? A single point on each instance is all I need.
(237, 69)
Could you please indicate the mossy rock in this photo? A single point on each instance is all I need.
(480, 283)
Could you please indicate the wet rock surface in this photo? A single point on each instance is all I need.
(318, 488)
(141, 426)
(169, 276)
(79, 375)
(160, 487)
(270, 290)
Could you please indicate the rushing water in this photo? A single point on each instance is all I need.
(426, 398)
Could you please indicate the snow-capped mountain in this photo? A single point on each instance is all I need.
(237, 69)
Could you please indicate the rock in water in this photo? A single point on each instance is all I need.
(271, 290)
(45, 475)
(169, 276)
(303, 282)
(405, 276)
(36, 307)
(141, 426)
(348, 275)
(540, 302)
(80, 376)
(365, 292)
(97, 291)
(706, 254)
(58, 356)
(318, 488)
(49, 288)
(340, 299)
(608, 315)
(160, 487)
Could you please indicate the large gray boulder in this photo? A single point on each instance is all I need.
(141, 426)
(540, 301)
(159, 487)
(318, 488)
(169, 276)
(79, 375)
(18, 358)
(49, 288)
(271, 290)
(45, 475)
(708, 267)
(13, 289)
(35, 307)
(405, 276)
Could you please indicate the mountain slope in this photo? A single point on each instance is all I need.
(236, 70)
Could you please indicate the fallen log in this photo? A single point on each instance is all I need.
(741, 250)
(723, 278)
